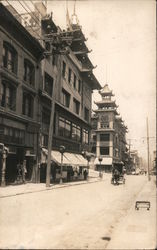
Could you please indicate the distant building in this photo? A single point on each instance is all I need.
(135, 160)
(108, 133)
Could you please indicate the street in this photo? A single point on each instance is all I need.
(94, 216)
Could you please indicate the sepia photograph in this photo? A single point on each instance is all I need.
(78, 124)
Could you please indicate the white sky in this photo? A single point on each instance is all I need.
(122, 35)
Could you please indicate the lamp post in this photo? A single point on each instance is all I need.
(100, 160)
(61, 150)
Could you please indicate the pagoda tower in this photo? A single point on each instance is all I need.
(107, 131)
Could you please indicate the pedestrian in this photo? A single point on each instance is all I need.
(85, 174)
(24, 171)
(116, 176)
(53, 173)
(19, 173)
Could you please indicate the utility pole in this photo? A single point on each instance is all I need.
(148, 150)
(59, 43)
(129, 145)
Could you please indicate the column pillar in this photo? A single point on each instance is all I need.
(3, 180)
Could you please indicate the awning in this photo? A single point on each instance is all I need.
(56, 157)
(72, 159)
(105, 161)
(69, 159)
(81, 159)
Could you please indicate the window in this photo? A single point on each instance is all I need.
(69, 75)
(86, 114)
(44, 140)
(104, 150)
(104, 125)
(64, 70)
(85, 136)
(47, 46)
(79, 86)
(48, 86)
(93, 150)
(76, 106)
(116, 139)
(29, 139)
(54, 60)
(104, 137)
(27, 105)
(9, 57)
(65, 98)
(14, 135)
(94, 138)
(64, 128)
(74, 83)
(76, 132)
(29, 72)
(8, 95)
(45, 120)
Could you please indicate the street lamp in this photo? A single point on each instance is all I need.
(61, 150)
(100, 160)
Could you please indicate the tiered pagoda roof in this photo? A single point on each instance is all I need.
(105, 91)
(80, 50)
(106, 104)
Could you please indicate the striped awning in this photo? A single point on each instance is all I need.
(69, 159)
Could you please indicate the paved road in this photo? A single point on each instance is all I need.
(84, 216)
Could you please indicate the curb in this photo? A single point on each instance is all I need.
(50, 188)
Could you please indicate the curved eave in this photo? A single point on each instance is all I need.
(105, 110)
(81, 52)
(86, 62)
(106, 106)
(106, 94)
(91, 79)
(104, 129)
(77, 33)
(78, 46)
(48, 22)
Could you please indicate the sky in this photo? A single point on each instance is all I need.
(122, 36)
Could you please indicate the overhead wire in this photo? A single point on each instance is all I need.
(36, 8)
(29, 14)
(37, 18)
(23, 19)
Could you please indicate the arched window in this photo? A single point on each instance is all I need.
(29, 72)
(10, 58)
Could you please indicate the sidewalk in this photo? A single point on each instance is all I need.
(27, 188)
(137, 230)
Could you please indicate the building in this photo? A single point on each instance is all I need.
(74, 82)
(33, 76)
(20, 75)
(108, 133)
(135, 160)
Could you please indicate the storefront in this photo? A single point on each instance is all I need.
(72, 166)
(104, 165)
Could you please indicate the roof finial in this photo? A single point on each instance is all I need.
(106, 74)
(68, 23)
(74, 18)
